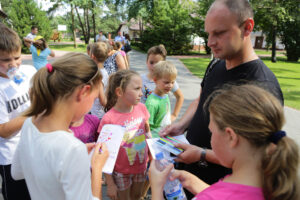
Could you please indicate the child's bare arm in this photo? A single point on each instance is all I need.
(102, 96)
(120, 62)
(179, 101)
(112, 190)
(10, 127)
(99, 158)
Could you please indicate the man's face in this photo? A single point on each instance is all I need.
(34, 31)
(100, 33)
(225, 34)
(9, 60)
(119, 33)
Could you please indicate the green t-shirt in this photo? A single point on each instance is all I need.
(160, 112)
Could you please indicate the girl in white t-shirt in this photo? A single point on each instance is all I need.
(53, 162)
(99, 53)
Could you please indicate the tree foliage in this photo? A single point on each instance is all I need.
(166, 22)
(25, 14)
(284, 16)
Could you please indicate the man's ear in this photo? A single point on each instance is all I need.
(233, 138)
(83, 92)
(248, 27)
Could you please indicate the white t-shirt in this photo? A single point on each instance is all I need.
(14, 99)
(149, 86)
(30, 36)
(97, 108)
(55, 165)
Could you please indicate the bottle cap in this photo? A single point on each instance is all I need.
(159, 156)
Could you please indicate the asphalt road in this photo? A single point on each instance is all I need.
(190, 86)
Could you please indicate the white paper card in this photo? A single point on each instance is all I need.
(112, 136)
(156, 148)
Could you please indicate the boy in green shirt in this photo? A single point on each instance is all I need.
(158, 103)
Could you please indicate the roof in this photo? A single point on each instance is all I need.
(3, 14)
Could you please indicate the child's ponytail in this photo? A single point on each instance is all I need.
(257, 115)
(280, 165)
(110, 93)
(58, 81)
(120, 79)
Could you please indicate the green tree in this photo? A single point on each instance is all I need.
(200, 11)
(167, 22)
(25, 14)
(279, 18)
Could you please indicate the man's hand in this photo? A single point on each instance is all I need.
(172, 129)
(190, 154)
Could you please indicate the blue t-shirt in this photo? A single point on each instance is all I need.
(39, 61)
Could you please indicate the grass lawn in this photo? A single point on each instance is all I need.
(69, 47)
(287, 73)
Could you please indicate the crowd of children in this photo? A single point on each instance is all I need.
(76, 95)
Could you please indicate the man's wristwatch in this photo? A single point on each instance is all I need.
(202, 162)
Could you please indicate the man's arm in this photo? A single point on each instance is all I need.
(28, 40)
(192, 153)
(179, 127)
(12, 126)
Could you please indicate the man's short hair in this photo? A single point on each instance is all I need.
(9, 40)
(164, 69)
(33, 27)
(241, 8)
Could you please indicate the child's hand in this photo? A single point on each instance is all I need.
(173, 118)
(158, 178)
(189, 181)
(100, 156)
(112, 191)
(90, 146)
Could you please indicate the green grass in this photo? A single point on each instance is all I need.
(69, 47)
(269, 52)
(287, 73)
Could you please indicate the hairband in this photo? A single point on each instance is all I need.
(49, 67)
(275, 137)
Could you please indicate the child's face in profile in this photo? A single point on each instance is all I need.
(165, 84)
(9, 60)
(152, 60)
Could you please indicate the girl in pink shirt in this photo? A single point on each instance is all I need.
(245, 122)
(124, 108)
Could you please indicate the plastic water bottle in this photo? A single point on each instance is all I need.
(173, 189)
(15, 75)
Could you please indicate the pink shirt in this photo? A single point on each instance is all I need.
(232, 191)
(123, 53)
(133, 154)
(87, 131)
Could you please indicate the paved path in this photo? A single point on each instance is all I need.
(190, 86)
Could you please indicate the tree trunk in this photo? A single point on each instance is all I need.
(73, 26)
(274, 39)
(273, 44)
(88, 28)
(81, 24)
(94, 21)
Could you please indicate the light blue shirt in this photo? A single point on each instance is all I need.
(119, 38)
(41, 60)
(101, 38)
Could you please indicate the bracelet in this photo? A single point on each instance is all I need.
(202, 162)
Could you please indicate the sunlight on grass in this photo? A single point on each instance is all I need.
(69, 47)
(287, 73)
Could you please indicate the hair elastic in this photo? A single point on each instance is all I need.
(275, 137)
(49, 67)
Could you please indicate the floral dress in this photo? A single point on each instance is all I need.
(110, 64)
